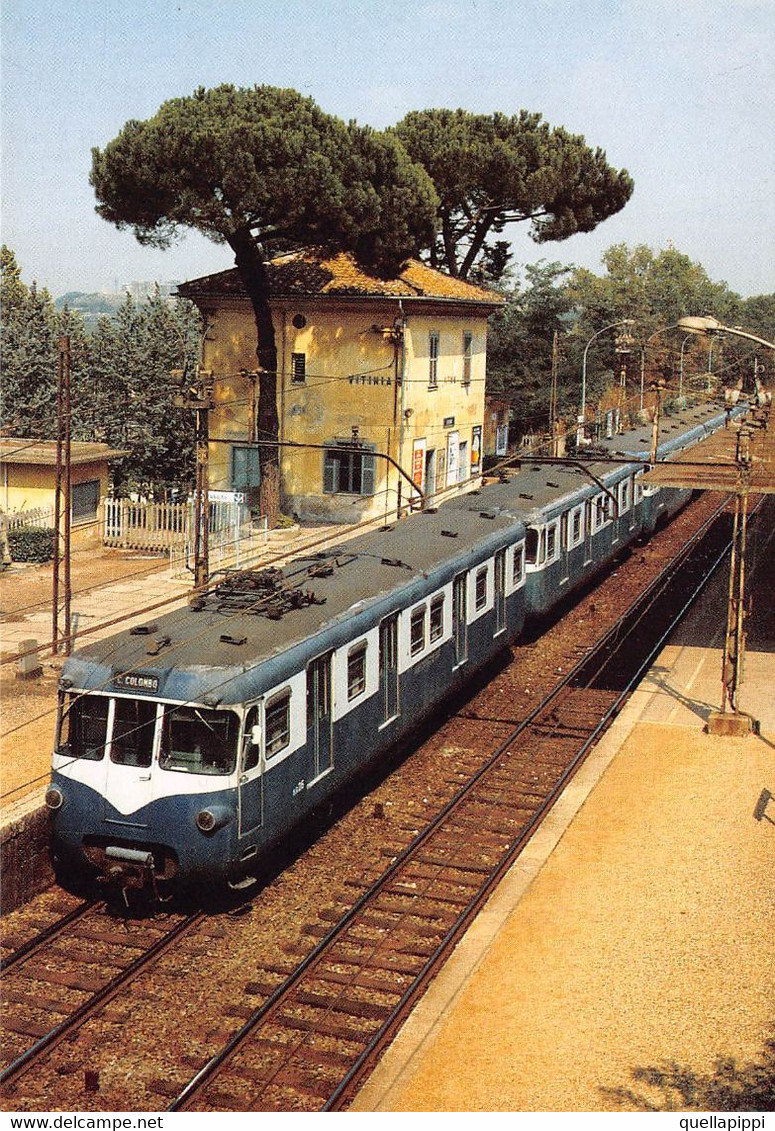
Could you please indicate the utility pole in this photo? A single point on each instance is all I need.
(553, 395)
(199, 397)
(658, 388)
(734, 641)
(62, 502)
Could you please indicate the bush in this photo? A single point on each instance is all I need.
(31, 544)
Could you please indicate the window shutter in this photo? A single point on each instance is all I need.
(329, 474)
(367, 479)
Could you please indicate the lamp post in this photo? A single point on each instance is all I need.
(583, 409)
(695, 325)
(681, 371)
(730, 719)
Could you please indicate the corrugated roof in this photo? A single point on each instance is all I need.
(19, 450)
(315, 273)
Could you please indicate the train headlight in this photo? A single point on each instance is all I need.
(214, 817)
(205, 821)
(54, 797)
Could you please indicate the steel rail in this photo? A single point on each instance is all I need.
(23, 1063)
(46, 935)
(350, 1083)
(212, 1066)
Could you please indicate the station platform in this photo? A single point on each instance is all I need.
(637, 931)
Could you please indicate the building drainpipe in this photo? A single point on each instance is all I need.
(402, 380)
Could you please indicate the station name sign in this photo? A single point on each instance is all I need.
(133, 681)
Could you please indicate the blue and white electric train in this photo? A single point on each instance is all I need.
(188, 747)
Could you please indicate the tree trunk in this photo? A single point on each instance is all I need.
(252, 270)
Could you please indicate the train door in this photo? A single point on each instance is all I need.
(460, 617)
(564, 553)
(320, 739)
(132, 725)
(587, 531)
(251, 778)
(500, 591)
(388, 667)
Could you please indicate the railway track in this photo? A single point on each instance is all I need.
(322, 1028)
(316, 1024)
(61, 977)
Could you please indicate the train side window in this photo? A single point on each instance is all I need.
(417, 631)
(518, 565)
(251, 749)
(83, 727)
(576, 526)
(134, 724)
(436, 625)
(277, 723)
(480, 589)
(531, 546)
(356, 670)
(624, 496)
(551, 541)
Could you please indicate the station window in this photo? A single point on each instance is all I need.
(480, 589)
(245, 471)
(433, 360)
(356, 670)
(278, 723)
(436, 625)
(468, 347)
(348, 470)
(417, 631)
(298, 368)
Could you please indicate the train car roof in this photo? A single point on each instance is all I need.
(182, 654)
(322, 590)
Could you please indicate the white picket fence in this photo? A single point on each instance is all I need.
(41, 517)
(140, 525)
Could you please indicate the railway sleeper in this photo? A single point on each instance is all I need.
(369, 982)
(352, 1006)
(72, 981)
(326, 1025)
(19, 997)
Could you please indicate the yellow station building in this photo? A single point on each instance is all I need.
(382, 381)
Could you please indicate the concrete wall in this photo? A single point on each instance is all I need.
(24, 861)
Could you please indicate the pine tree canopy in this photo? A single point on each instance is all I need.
(490, 170)
(265, 161)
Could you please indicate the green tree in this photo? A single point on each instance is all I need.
(28, 337)
(520, 343)
(490, 170)
(131, 399)
(260, 168)
(656, 289)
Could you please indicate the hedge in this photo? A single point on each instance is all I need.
(31, 544)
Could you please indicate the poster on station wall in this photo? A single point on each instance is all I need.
(418, 463)
(453, 448)
(501, 439)
(476, 448)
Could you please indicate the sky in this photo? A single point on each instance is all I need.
(679, 94)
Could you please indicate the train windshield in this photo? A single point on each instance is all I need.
(198, 741)
(83, 726)
(134, 724)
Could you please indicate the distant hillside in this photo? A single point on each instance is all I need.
(92, 305)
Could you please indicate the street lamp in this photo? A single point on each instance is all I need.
(583, 410)
(696, 325)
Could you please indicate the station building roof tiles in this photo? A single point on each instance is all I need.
(315, 273)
